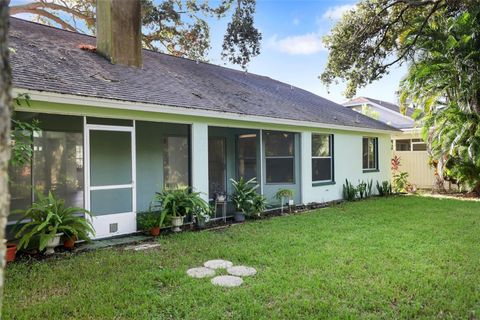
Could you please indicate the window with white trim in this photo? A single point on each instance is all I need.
(279, 157)
(322, 157)
(370, 154)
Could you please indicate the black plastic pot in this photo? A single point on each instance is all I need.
(239, 217)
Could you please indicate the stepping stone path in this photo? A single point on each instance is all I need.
(201, 272)
(232, 280)
(218, 264)
(227, 281)
(241, 271)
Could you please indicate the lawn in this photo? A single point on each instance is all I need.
(406, 257)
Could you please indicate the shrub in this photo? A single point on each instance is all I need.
(48, 216)
(180, 203)
(384, 189)
(349, 191)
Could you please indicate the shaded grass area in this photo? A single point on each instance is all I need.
(405, 257)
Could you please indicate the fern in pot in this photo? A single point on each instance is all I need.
(49, 219)
(243, 197)
(179, 203)
(151, 221)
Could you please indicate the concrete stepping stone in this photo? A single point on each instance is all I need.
(227, 281)
(241, 271)
(218, 264)
(144, 246)
(200, 272)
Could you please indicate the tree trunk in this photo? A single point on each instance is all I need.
(5, 105)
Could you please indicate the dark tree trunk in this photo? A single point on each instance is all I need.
(5, 105)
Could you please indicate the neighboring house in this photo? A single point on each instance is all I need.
(406, 144)
(113, 135)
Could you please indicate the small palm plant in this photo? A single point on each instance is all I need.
(283, 194)
(48, 217)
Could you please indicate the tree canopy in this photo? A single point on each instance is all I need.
(177, 27)
(439, 40)
(370, 38)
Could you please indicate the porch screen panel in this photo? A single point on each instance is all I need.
(247, 156)
(111, 201)
(110, 158)
(175, 162)
(20, 183)
(216, 165)
(58, 165)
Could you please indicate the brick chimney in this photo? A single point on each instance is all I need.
(119, 36)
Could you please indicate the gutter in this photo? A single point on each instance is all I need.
(60, 98)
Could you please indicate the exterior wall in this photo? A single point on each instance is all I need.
(420, 173)
(150, 155)
(347, 164)
(347, 148)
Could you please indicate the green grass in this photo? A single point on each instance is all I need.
(407, 257)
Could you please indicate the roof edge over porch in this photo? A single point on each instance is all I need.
(46, 96)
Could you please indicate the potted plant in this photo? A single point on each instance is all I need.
(11, 252)
(259, 205)
(218, 194)
(283, 194)
(179, 203)
(76, 227)
(202, 216)
(151, 220)
(243, 197)
(49, 219)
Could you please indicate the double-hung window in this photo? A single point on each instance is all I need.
(322, 157)
(370, 154)
(279, 157)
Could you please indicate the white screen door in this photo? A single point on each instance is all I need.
(110, 171)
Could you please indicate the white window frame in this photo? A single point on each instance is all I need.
(331, 156)
(375, 155)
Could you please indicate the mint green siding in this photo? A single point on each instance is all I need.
(150, 146)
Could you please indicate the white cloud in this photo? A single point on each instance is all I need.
(305, 44)
(335, 13)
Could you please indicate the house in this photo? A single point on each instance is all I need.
(407, 143)
(113, 134)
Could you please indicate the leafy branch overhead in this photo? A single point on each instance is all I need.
(172, 26)
(361, 52)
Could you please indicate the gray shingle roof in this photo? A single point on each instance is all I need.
(388, 105)
(48, 59)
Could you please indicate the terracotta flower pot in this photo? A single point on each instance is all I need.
(155, 231)
(69, 242)
(11, 252)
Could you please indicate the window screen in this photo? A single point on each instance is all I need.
(322, 157)
(402, 145)
(370, 153)
(279, 157)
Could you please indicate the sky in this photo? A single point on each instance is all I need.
(291, 48)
